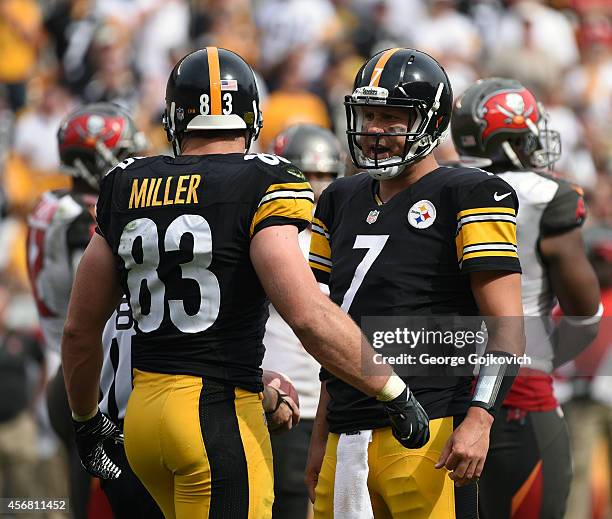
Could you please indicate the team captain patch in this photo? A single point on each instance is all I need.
(422, 214)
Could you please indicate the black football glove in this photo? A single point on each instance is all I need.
(409, 421)
(89, 436)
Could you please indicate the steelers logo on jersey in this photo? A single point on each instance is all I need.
(422, 214)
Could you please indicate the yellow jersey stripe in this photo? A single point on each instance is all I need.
(380, 65)
(318, 266)
(319, 245)
(300, 208)
(485, 232)
(320, 224)
(486, 210)
(292, 186)
(214, 73)
(489, 254)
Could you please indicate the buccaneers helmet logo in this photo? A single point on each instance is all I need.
(508, 111)
(87, 129)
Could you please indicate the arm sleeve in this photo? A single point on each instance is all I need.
(566, 211)
(287, 200)
(486, 228)
(319, 257)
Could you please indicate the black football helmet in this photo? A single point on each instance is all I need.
(95, 138)
(500, 120)
(400, 78)
(211, 89)
(311, 148)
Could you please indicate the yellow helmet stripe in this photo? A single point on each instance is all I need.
(380, 65)
(214, 73)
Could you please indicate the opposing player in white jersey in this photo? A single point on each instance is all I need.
(317, 152)
(528, 469)
(91, 140)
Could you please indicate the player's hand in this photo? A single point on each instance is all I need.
(316, 453)
(89, 436)
(466, 450)
(282, 413)
(409, 421)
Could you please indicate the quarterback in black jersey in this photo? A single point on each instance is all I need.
(410, 238)
(196, 243)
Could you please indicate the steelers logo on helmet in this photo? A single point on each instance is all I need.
(422, 214)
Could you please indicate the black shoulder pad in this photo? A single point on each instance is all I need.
(565, 211)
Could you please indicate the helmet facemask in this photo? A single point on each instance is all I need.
(419, 138)
(539, 149)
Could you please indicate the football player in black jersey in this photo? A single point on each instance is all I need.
(528, 470)
(410, 238)
(196, 242)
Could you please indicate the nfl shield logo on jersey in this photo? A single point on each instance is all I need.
(372, 216)
(422, 214)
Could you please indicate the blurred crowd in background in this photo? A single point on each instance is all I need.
(58, 54)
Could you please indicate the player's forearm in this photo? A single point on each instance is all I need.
(81, 364)
(320, 428)
(332, 338)
(506, 334)
(573, 335)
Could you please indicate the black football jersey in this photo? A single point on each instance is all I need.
(409, 257)
(181, 230)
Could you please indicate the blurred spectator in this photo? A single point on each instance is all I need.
(70, 26)
(113, 80)
(588, 87)
(576, 163)
(20, 33)
(447, 33)
(524, 48)
(599, 201)
(291, 103)
(286, 26)
(228, 24)
(402, 18)
(372, 29)
(338, 83)
(33, 166)
(532, 24)
(18, 442)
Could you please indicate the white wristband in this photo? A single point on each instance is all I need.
(586, 321)
(392, 389)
